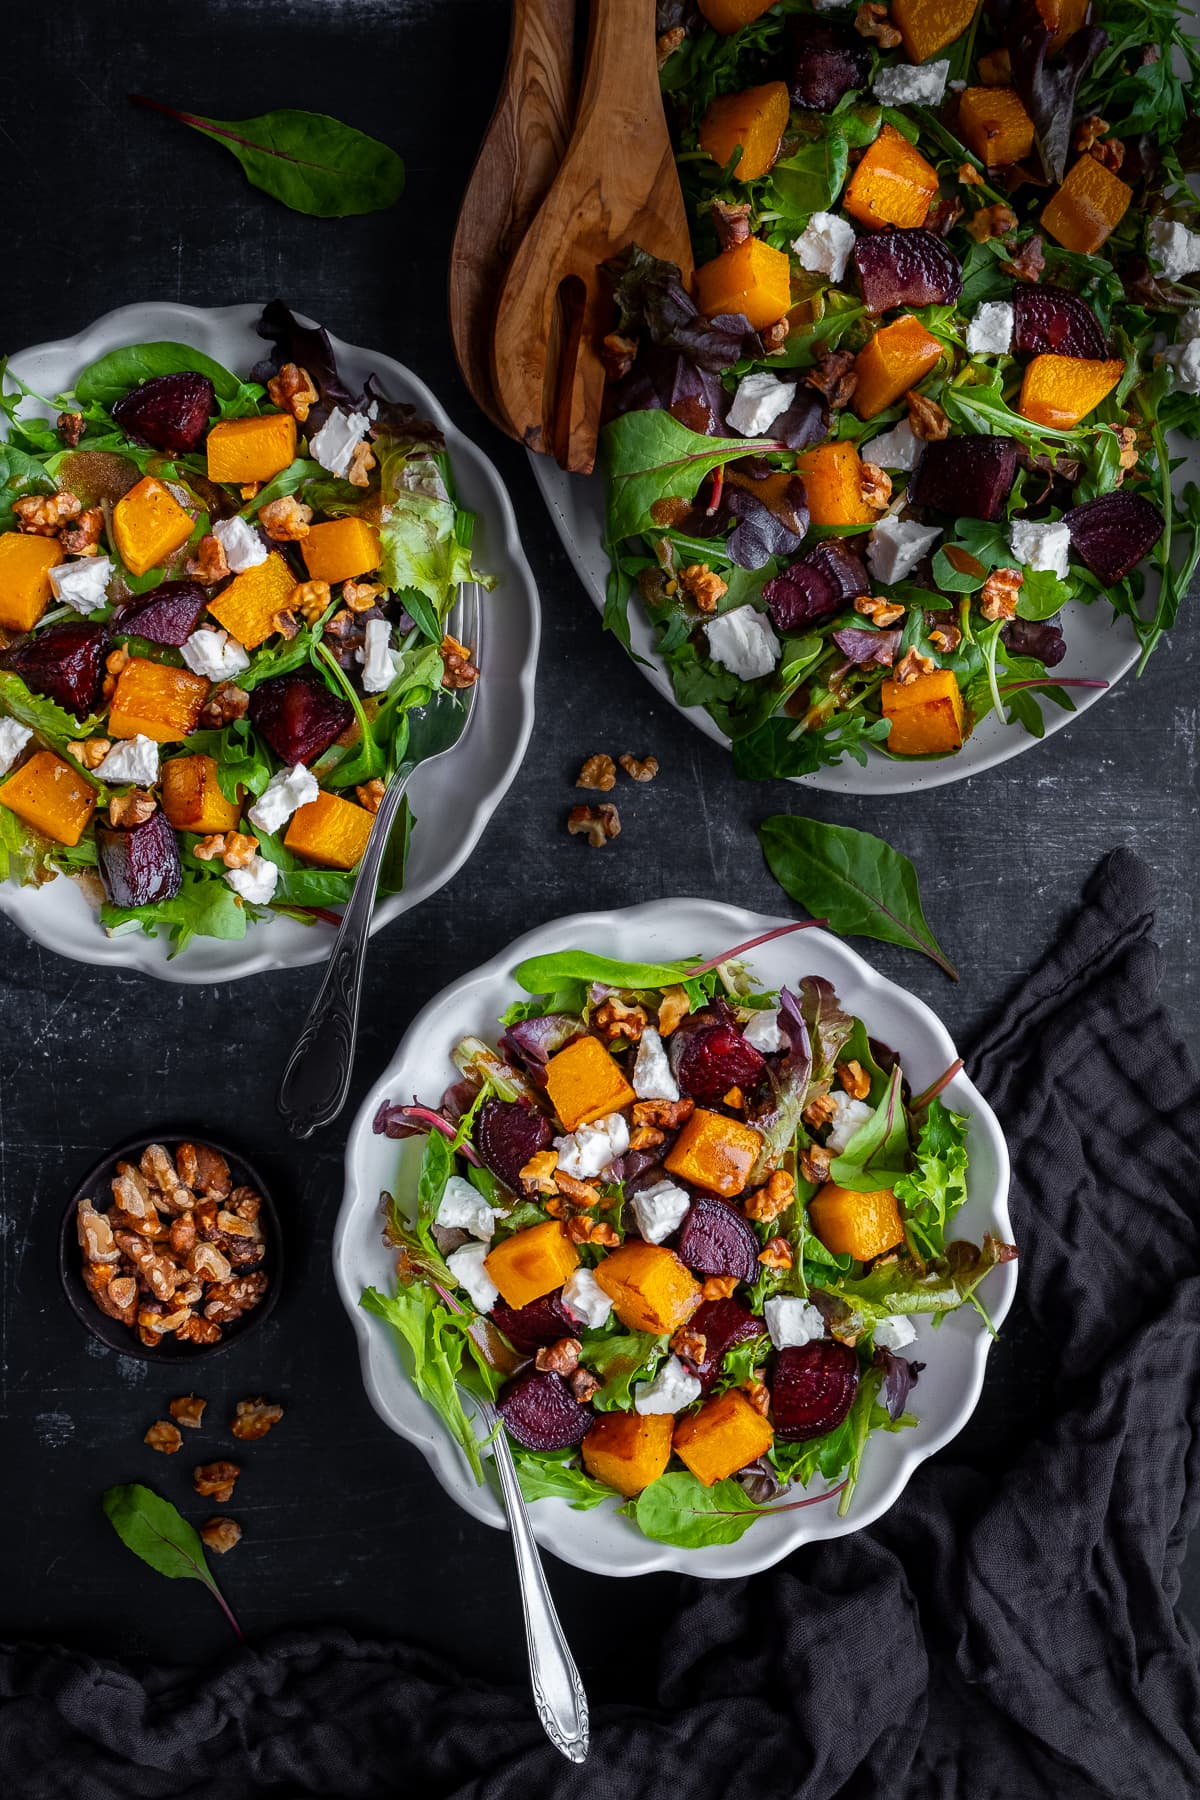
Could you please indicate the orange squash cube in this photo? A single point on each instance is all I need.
(725, 1435)
(1064, 18)
(755, 120)
(896, 358)
(893, 184)
(730, 15)
(585, 1082)
(148, 524)
(25, 565)
(1062, 390)
(1088, 206)
(859, 1225)
(752, 278)
(252, 602)
(330, 830)
(627, 1451)
(245, 450)
(341, 549)
(51, 796)
(156, 700)
(649, 1287)
(531, 1263)
(192, 797)
(926, 714)
(994, 124)
(715, 1153)
(927, 26)
(833, 484)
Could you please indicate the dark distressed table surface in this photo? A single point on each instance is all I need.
(342, 1521)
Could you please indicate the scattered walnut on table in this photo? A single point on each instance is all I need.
(164, 1437)
(253, 1418)
(220, 1535)
(599, 772)
(643, 768)
(187, 1409)
(599, 824)
(215, 1480)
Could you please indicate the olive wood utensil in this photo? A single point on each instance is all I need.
(618, 185)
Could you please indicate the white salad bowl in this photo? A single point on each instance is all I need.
(452, 800)
(954, 1354)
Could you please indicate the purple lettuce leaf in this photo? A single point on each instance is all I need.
(899, 1378)
(759, 533)
(532, 1042)
(664, 380)
(789, 1074)
(310, 347)
(650, 298)
(805, 422)
(828, 1026)
(1046, 86)
(860, 645)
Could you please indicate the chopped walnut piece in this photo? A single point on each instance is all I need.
(700, 585)
(718, 1287)
(876, 486)
(598, 772)
(668, 43)
(912, 665)
(188, 1409)
(667, 1115)
(1089, 131)
(767, 1203)
(944, 216)
(999, 594)
(995, 69)
(834, 377)
(690, 1346)
(158, 1168)
(582, 1230)
(581, 1194)
(820, 1111)
(308, 600)
(969, 175)
(775, 336)
(158, 1273)
(199, 1331)
(133, 808)
(1029, 261)
(70, 428)
(758, 1394)
(236, 849)
(360, 596)
(117, 660)
(458, 671)
(854, 1079)
(926, 418)
(246, 1203)
(537, 1176)
(638, 768)
(369, 794)
(992, 222)
(206, 1262)
(1127, 435)
(731, 222)
(617, 353)
(362, 461)
(562, 1357)
(777, 1254)
(164, 1437)
(101, 1282)
(945, 638)
(673, 1007)
(872, 21)
(228, 1300)
(82, 538)
(220, 1535)
(210, 564)
(182, 1235)
(254, 1418)
(44, 515)
(645, 1137)
(1110, 152)
(598, 824)
(215, 1480)
(880, 610)
(583, 1384)
(95, 1234)
(813, 1163)
(92, 752)
(293, 390)
(204, 1170)
(226, 702)
(286, 624)
(286, 520)
(613, 1020)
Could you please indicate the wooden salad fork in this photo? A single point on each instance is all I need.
(618, 185)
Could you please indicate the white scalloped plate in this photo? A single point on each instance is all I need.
(452, 800)
(955, 1354)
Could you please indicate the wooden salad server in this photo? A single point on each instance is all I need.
(618, 185)
(517, 161)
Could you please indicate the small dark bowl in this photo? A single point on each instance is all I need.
(96, 1187)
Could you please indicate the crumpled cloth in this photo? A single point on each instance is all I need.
(1006, 1632)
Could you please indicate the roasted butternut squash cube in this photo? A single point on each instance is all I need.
(531, 1263)
(754, 120)
(715, 1153)
(1064, 18)
(926, 714)
(833, 484)
(893, 184)
(330, 830)
(752, 278)
(341, 549)
(896, 358)
(730, 15)
(853, 1224)
(927, 26)
(156, 700)
(1088, 206)
(1062, 390)
(51, 796)
(25, 565)
(994, 124)
(627, 1451)
(585, 1082)
(649, 1287)
(244, 450)
(192, 797)
(725, 1435)
(148, 525)
(250, 605)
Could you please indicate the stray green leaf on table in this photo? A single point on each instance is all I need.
(157, 1532)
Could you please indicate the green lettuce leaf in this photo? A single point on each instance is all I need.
(936, 1188)
(553, 1475)
(418, 530)
(432, 1350)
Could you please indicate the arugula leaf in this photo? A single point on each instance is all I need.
(650, 456)
(779, 750)
(157, 1532)
(678, 1509)
(935, 1189)
(112, 375)
(877, 1156)
(433, 1356)
(552, 1475)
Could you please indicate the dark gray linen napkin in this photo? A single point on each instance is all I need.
(1006, 1632)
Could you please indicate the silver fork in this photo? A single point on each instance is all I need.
(317, 1078)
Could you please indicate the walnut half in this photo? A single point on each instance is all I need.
(599, 824)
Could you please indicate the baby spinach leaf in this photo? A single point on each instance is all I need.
(877, 1156)
(110, 376)
(551, 1475)
(19, 475)
(157, 1532)
(547, 974)
(678, 1509)
(650, 457)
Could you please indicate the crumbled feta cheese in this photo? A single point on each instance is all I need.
(134, 759)
(830, 5)
(848, 1116)
(671, 1390)
(466, 1266)
(1041, 546)
(792, 1321)
(909, 85)
(652, 1077)
(898, 448)
(256, 882)
(659, 1210)
(283, 794)
(897, 546)
(1175, 249)
(759, 400)
(990, 331)
(378, 659)
(1183, 360)
(763, 1032)
(83, 583)
(824, 246)
(243, 547)
(215, 654)
(895, 1333)
(337, 440)
(1189, 325)
(463, 1208)
(743, 642)
(586, 1300)
(13, 739)
(590, 1148)
(957, 87)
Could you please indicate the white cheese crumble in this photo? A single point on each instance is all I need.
(763, 1033)
(243, 547)
(590, 1148)
(824, 246)
(1175, 249)
(464, 1208)
(134, 759)
(652, 1077)
(339, 437)
(1041, 546)
(378, 659)
(909, 85)
(282, 796)
(256, 882)
(660, 1210)
(82, 584)
(466, 1266)
(586, 1300)
(897, 546)
(898, 448)
(1183, 360)
(759, 400)
(671, 1390)
(792, 1321)
(895, 1333)
(13, 739)
(990, 331)
(848, 1116)
(743, 642)
(214, 654)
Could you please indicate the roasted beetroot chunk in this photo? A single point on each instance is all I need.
(1048, 320)
(507, 1134)
(722, 1324)
(169, 411)
(65, 663)
(168, 614)
(528, 1328)
(139, 864)
(1035, 637)
(709, 1055)
(1112, 533)
(825, 579)
(906, 268)
(299, 716)
(541, 1412)
(824, 62)
(969, 477)
(716, 1240)
(812, 1389)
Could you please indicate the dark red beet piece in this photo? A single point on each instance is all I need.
(709, 1055)
(169, 411)
(823, 580)
(812, 1389)
(1112, 533)
(824, 62)
(541, 1412)
(168, 614)
(299, 716)
(139, 863)
(969, 477)
(507, 1133)
(528, 1328)
(716, 1240)
(722, 1324)
(1034, 637)
(1048, 320)
(906, 268)
(65, 663)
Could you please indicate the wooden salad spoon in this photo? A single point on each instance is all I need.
(618, 185)
(518, 159)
